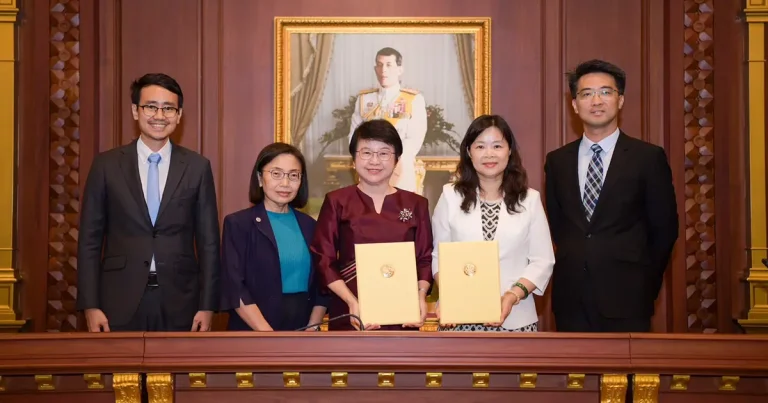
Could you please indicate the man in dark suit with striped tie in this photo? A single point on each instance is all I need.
(148, 248)
(612, 213)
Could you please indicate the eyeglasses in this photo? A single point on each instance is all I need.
(151, 110)
(278, 175)
(383, 155)
(603, 93)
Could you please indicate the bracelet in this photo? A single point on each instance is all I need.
(517, 297)
(522, 287)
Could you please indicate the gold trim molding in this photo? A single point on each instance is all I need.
(613, 388)
(575, 381)
(198, 380)
(386, 380)
(434, 379)
(679, 382)
(756, 12)
(291, 379)
(8, 278)
(44, 382)
(127, 388)
(160, 388)
(244, 379)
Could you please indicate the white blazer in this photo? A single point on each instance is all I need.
(525, 246)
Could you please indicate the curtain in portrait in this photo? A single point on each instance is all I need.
(310, 59)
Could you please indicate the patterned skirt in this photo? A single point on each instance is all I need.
(533, 327)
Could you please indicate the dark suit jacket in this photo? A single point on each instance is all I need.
(623, 251)
(117, 240)
(251, 265)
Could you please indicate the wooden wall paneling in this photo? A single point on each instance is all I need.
(33, 150)
(108, 55)
(730, 164)
(675, 127)
(161, 37)
(612, 31)
(211, 103)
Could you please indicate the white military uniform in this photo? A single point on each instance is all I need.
(406, 110)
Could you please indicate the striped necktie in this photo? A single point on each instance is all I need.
(594, 181)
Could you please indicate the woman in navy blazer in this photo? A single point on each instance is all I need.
(267, 272)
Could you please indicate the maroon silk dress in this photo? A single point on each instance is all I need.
(348, 217)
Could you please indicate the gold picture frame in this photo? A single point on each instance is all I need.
(292, 61)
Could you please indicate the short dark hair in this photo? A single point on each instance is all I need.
(159, 79)
(391, 52)
(379, 130)
(596, 66)
(514, 184)
(267, 154)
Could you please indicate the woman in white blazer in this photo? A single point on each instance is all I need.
(491, 200)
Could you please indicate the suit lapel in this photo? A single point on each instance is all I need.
(262, 224)
(573, 192)
(612, 174)
(130, 167)
(175, 173)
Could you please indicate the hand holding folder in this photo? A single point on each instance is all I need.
(387, 284)
(469, 282)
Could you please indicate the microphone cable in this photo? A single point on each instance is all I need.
(346, 315)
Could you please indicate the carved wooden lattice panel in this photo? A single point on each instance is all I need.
(64, 209)
(701, 290)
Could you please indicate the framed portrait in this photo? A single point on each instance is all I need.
(430, 77)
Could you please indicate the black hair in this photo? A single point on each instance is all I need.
(514, 184)
(159, 79)
(596, 66)
(267, 154)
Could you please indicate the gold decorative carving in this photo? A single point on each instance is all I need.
(645, 388)
(94, 381)
(291, 379)
(244, 379)
(575, 381)
(679, 382)
(430, 325)
(64, 165)
(434, 379)
(284, 27)
(386, 379)
(2, 384)
(338, 379)
(44, 382)
(528, 381)
(481, 379)
(701, 278)
(756, 13)
(198, 380)
(728, 383)
(160, 388)
(613, 388)
(127, 388)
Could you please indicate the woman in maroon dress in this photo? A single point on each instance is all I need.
(370, 212)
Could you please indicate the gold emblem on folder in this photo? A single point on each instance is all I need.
(387, 271)
(470, 269)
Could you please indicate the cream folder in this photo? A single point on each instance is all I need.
(387, 285)
(469, 283)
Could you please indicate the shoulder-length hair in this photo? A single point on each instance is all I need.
(267, 154)
(514, 184)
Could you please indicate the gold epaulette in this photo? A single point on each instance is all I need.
(368, 91)
(410, 91)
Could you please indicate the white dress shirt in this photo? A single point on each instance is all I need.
(525, 246)
(162, 169)
(608, 144)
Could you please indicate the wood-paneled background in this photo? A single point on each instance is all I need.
(683, 58)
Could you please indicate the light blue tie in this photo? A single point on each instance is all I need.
(153, 186)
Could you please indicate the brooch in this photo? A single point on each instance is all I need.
(405, 215)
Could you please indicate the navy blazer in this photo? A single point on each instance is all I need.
(250, 265)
